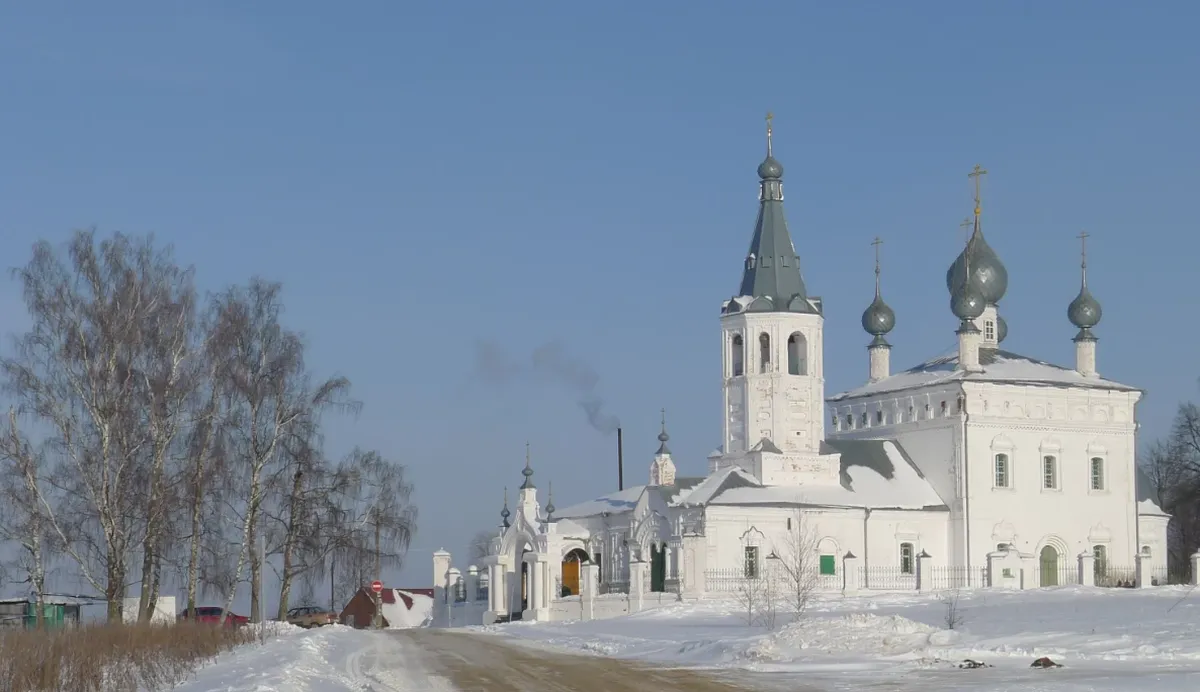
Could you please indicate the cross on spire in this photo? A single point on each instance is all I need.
(966, 229)
(1083, 236)
(876, 243)
(977, 174)
(770, 117)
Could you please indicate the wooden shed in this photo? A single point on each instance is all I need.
(360, 610)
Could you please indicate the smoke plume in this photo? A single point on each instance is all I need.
(549, 362)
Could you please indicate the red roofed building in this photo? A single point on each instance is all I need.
(360, 611)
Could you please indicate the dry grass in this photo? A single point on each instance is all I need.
(116, 658)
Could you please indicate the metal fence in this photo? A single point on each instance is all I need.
(614, 587)
(945, 577)
(886, 579)
(733, 580)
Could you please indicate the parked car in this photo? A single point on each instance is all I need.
(311, 616)
(212, 615)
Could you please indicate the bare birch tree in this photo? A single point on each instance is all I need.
(83, 371)
(268, 395)
(24, 511)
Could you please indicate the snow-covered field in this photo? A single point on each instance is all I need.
(1106, 639)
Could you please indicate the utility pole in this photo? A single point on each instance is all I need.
(332, 571)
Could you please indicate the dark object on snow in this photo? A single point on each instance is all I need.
(1045, 662)
(970, 664)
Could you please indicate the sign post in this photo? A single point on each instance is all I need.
(377, 589)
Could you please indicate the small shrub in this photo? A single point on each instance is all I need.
(955, 614)
(111, 658)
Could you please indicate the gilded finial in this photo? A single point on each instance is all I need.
(977, 174)
(876, 243)
(770, 117)
(1083, 236)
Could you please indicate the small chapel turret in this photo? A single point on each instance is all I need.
(1084, 312)
(662, 469)
(877, 320)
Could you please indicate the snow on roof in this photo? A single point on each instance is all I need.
(998, 366)
(874, 473)
(569, 529)
(1146, 494)
(725, 479)
(613, 503)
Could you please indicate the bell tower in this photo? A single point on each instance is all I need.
(772, 344)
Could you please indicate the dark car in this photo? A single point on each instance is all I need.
(213, 615)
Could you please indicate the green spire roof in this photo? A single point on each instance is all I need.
(772, 267)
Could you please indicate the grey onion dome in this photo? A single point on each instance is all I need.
(967, 303)
(988, 275)
(663, 437)
(1001, 329)
(1084, 312)
(878, 319)
(770, 168)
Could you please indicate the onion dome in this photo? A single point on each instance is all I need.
(967, 303)
(504, 513)
(987, 273)
(770, 169)
(1084, 312)
(878, 319)
(549, 501)
(527, 472)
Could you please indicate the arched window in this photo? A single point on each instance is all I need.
(1049, 472)
(764, 352)
(797, 354)
(737, 356)
(906, 558)
(1097, 469)
(1003, 473)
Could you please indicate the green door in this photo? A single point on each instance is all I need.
(1049, 566)
(828, 565)
(658, 568)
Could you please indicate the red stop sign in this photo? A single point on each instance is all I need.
(377, 586)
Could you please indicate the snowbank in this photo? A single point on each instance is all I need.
(855, 635)
(399, 616)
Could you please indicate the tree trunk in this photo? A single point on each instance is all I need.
(193, 574)
(289, 544)
(114, 590)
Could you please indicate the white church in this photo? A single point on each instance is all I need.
(981, 467)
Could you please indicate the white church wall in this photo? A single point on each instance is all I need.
(730, 529)
(1152, 534)
(1026, 425)
(888, 530)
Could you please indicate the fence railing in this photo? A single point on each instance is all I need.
(1114, 575)
(945, 577)
(614, 587)
(887, 579)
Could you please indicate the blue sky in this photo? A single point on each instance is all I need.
(424, 177)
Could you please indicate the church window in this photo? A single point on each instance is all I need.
(959, 405)
(828, 565)
(1001, 547)
(764, 352)
(906, 558)
(849, 421)
(737, 357)
(1145, 551)
(989, 330)
(789, 524)
(879, 418)
(1049, 472)
(865, 420)
(911, 413)
(797, 348)
(1097, 468)
(943, 410)
(750, 562)
(928, 411)
(1003, 472)
(834, 422)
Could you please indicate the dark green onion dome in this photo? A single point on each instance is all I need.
(1001, 329)
(988, 275)
(504, 513)
(770, 169)
(878, 319)
(1084, 312)
(967, 303)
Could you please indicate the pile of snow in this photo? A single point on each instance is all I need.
(399, 616)
(853, 634)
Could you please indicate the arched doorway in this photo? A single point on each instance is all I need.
(658, 567)
(1048, 566)
(571, 565)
